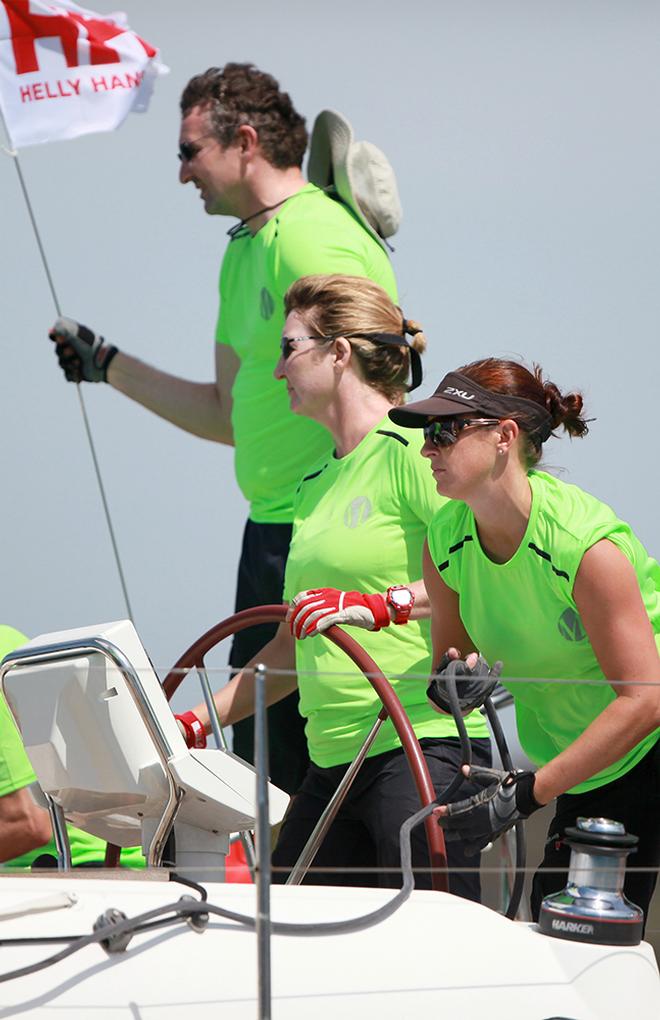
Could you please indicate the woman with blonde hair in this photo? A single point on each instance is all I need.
(361, 516)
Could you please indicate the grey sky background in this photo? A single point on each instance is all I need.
(525, 140)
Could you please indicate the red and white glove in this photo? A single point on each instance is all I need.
(312, 612)
(192, 729)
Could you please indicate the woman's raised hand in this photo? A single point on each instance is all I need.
(312, 612)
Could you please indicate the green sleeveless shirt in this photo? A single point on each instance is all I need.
(523, 612)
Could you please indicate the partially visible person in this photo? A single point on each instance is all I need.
(360, 519)
(25, 830)
(241, 145)
(527, 569)
(24, 826)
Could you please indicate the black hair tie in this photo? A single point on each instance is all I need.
(409, 329)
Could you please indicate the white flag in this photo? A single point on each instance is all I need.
(66, 71)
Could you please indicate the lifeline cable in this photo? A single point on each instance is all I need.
(83, 410)
(187, 908)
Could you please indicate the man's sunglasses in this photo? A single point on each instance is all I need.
(188, 150)
(445, 431)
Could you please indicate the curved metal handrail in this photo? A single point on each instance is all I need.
(99, 645)
(194, 657)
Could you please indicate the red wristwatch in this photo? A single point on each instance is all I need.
(401, 599)
(195, 732)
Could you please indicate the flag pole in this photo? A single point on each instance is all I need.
(83, 410)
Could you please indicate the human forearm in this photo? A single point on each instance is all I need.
(622, 725)
(235, 701)
(24, 826)
(514, 796)
(192, 406)
(447, 630)
(204, 409)
(608, 598)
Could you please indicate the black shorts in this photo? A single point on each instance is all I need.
(634, 799)
(261, 582)
(365, 833)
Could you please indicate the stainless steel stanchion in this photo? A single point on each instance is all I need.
(310, 849)
(214, 718)
(60, 834)
(263, 843)
(221, 743)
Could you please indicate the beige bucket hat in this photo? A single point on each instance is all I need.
(359, 172)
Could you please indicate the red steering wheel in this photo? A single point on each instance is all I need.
(194, 656)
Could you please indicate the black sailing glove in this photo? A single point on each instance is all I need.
(82, 354)
(473, 686)
(506, 798)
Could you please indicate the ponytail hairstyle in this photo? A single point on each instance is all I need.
(347, 305)
(515, 380)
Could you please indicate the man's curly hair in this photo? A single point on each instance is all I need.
(239, 94)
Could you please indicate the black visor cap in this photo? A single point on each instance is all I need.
(457, 394)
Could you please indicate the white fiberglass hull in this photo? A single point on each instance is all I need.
(437, 956)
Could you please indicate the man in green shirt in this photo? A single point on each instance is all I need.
(242, 145)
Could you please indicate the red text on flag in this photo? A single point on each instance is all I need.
(26, 28)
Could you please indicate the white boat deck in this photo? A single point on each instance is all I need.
(437, 956)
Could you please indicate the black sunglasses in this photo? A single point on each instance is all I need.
(445, 431)
(188, 150)
(391, 339)
(287, 342)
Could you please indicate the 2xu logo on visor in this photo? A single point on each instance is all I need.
(453, 392)
(457, 392)
(459, 388)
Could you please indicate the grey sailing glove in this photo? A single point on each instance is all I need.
(473, 685)
(506, 798)
(82, 354)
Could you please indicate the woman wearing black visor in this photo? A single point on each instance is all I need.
(538, 573)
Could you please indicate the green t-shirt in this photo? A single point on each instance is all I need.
(312, 233)
(16, 773)
(360, 524)
(15, 769)
(523, 612)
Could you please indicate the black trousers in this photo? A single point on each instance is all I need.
(634, 799)
(261, 582)
(365, 833)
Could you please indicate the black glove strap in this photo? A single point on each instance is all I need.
(104, 357)
(526, 802)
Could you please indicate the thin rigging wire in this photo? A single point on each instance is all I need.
(83, 410)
